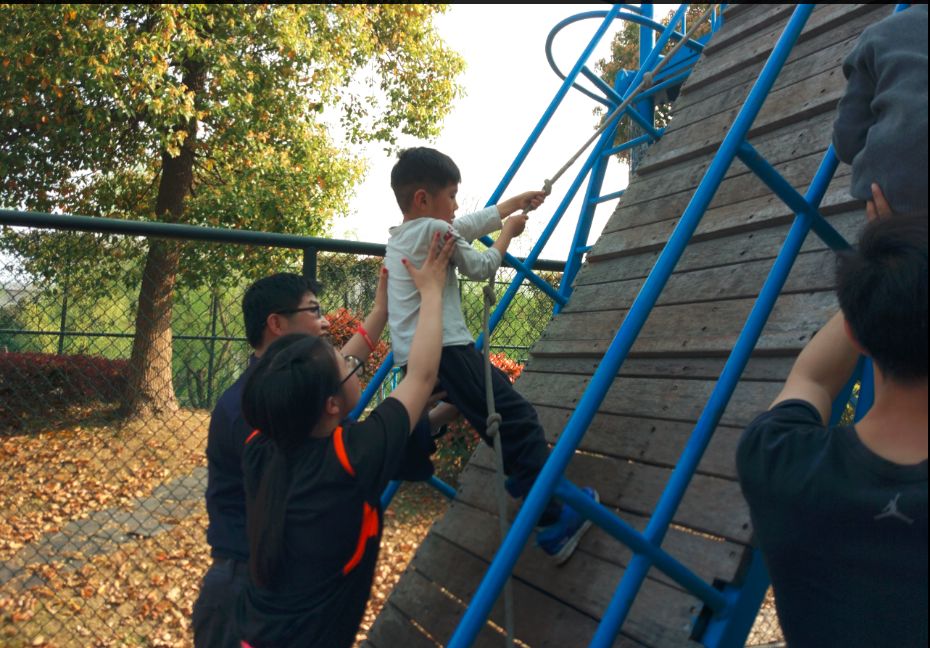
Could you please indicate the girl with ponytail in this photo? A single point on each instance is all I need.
(313, 486)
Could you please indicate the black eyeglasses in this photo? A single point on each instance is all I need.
(355, 365)
(314, 309)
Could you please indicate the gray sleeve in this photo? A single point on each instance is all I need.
(854, 114)
(477, 224)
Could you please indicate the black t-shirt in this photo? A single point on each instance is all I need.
(332, 532)
(843, 531)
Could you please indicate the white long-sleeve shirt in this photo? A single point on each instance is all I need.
(411, 241)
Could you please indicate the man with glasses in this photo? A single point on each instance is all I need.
(272, 307)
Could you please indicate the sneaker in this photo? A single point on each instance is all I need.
(559, 540)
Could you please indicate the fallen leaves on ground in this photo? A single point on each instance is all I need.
(141, 592)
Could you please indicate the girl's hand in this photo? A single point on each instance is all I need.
(431, 276)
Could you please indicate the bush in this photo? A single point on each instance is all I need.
(343, 324)
(34, 384)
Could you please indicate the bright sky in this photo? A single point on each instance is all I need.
(509, 84)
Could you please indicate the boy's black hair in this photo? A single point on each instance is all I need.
(421, 168)
(882, 289)
(283, 397)
(278, 292)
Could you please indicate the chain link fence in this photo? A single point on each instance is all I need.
(102, 542)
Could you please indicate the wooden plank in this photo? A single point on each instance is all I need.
(851, 29)
(674, 400)
(787, 107)
(697, 329)
(765, 368)
(392, 629)
(755, 50)
(660, 616)
(812, 271)
(740, 24)
(708, 557)
(729, 100)
(711, 505)
(654, 441)
(739, 187)
(753, 214)
(436, 612)
(779, 148)
(739, 247)
(539, 619)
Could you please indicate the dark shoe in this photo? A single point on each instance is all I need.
(559, 540)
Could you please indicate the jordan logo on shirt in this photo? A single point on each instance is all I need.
(891, 511)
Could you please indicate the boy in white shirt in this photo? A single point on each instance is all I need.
(425, 183)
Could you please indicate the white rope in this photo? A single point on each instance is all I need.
(493, 432)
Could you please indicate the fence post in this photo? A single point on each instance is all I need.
(64, 318)
(309, 266)
(214, 311)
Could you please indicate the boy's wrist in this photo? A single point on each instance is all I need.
(506, 208)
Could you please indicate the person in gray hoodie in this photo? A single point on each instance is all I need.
(881, 122)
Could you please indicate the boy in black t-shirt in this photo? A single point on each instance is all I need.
(840, 514)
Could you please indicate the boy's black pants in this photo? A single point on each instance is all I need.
(461, 376)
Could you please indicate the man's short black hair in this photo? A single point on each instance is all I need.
(882, 289)
(272, 294)
(421, 168)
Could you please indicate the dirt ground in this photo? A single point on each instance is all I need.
(102, 541)
(136, 587)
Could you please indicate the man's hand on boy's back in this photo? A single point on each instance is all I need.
(526, 201)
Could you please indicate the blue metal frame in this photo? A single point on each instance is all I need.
(735, 606)
(595, 165)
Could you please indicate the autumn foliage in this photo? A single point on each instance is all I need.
(52, 382)
(343, 324)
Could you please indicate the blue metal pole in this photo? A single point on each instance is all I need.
(588, 208)
(707, 423)
(866, 390)
(389, 493)
(511, 292)
(373, 386)
(642, 139)
(607, 197)
(442, 487)
(783, 189)
(550, 110)
(744, 605)
(539, 495)
(575, 497)
(643, 111)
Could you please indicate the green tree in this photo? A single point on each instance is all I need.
(624, 55)
(213, 115)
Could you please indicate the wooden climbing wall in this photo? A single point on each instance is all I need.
(643, 424)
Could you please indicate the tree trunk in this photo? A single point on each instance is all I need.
(150, 389)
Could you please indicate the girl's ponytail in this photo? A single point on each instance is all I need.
(284, 397)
